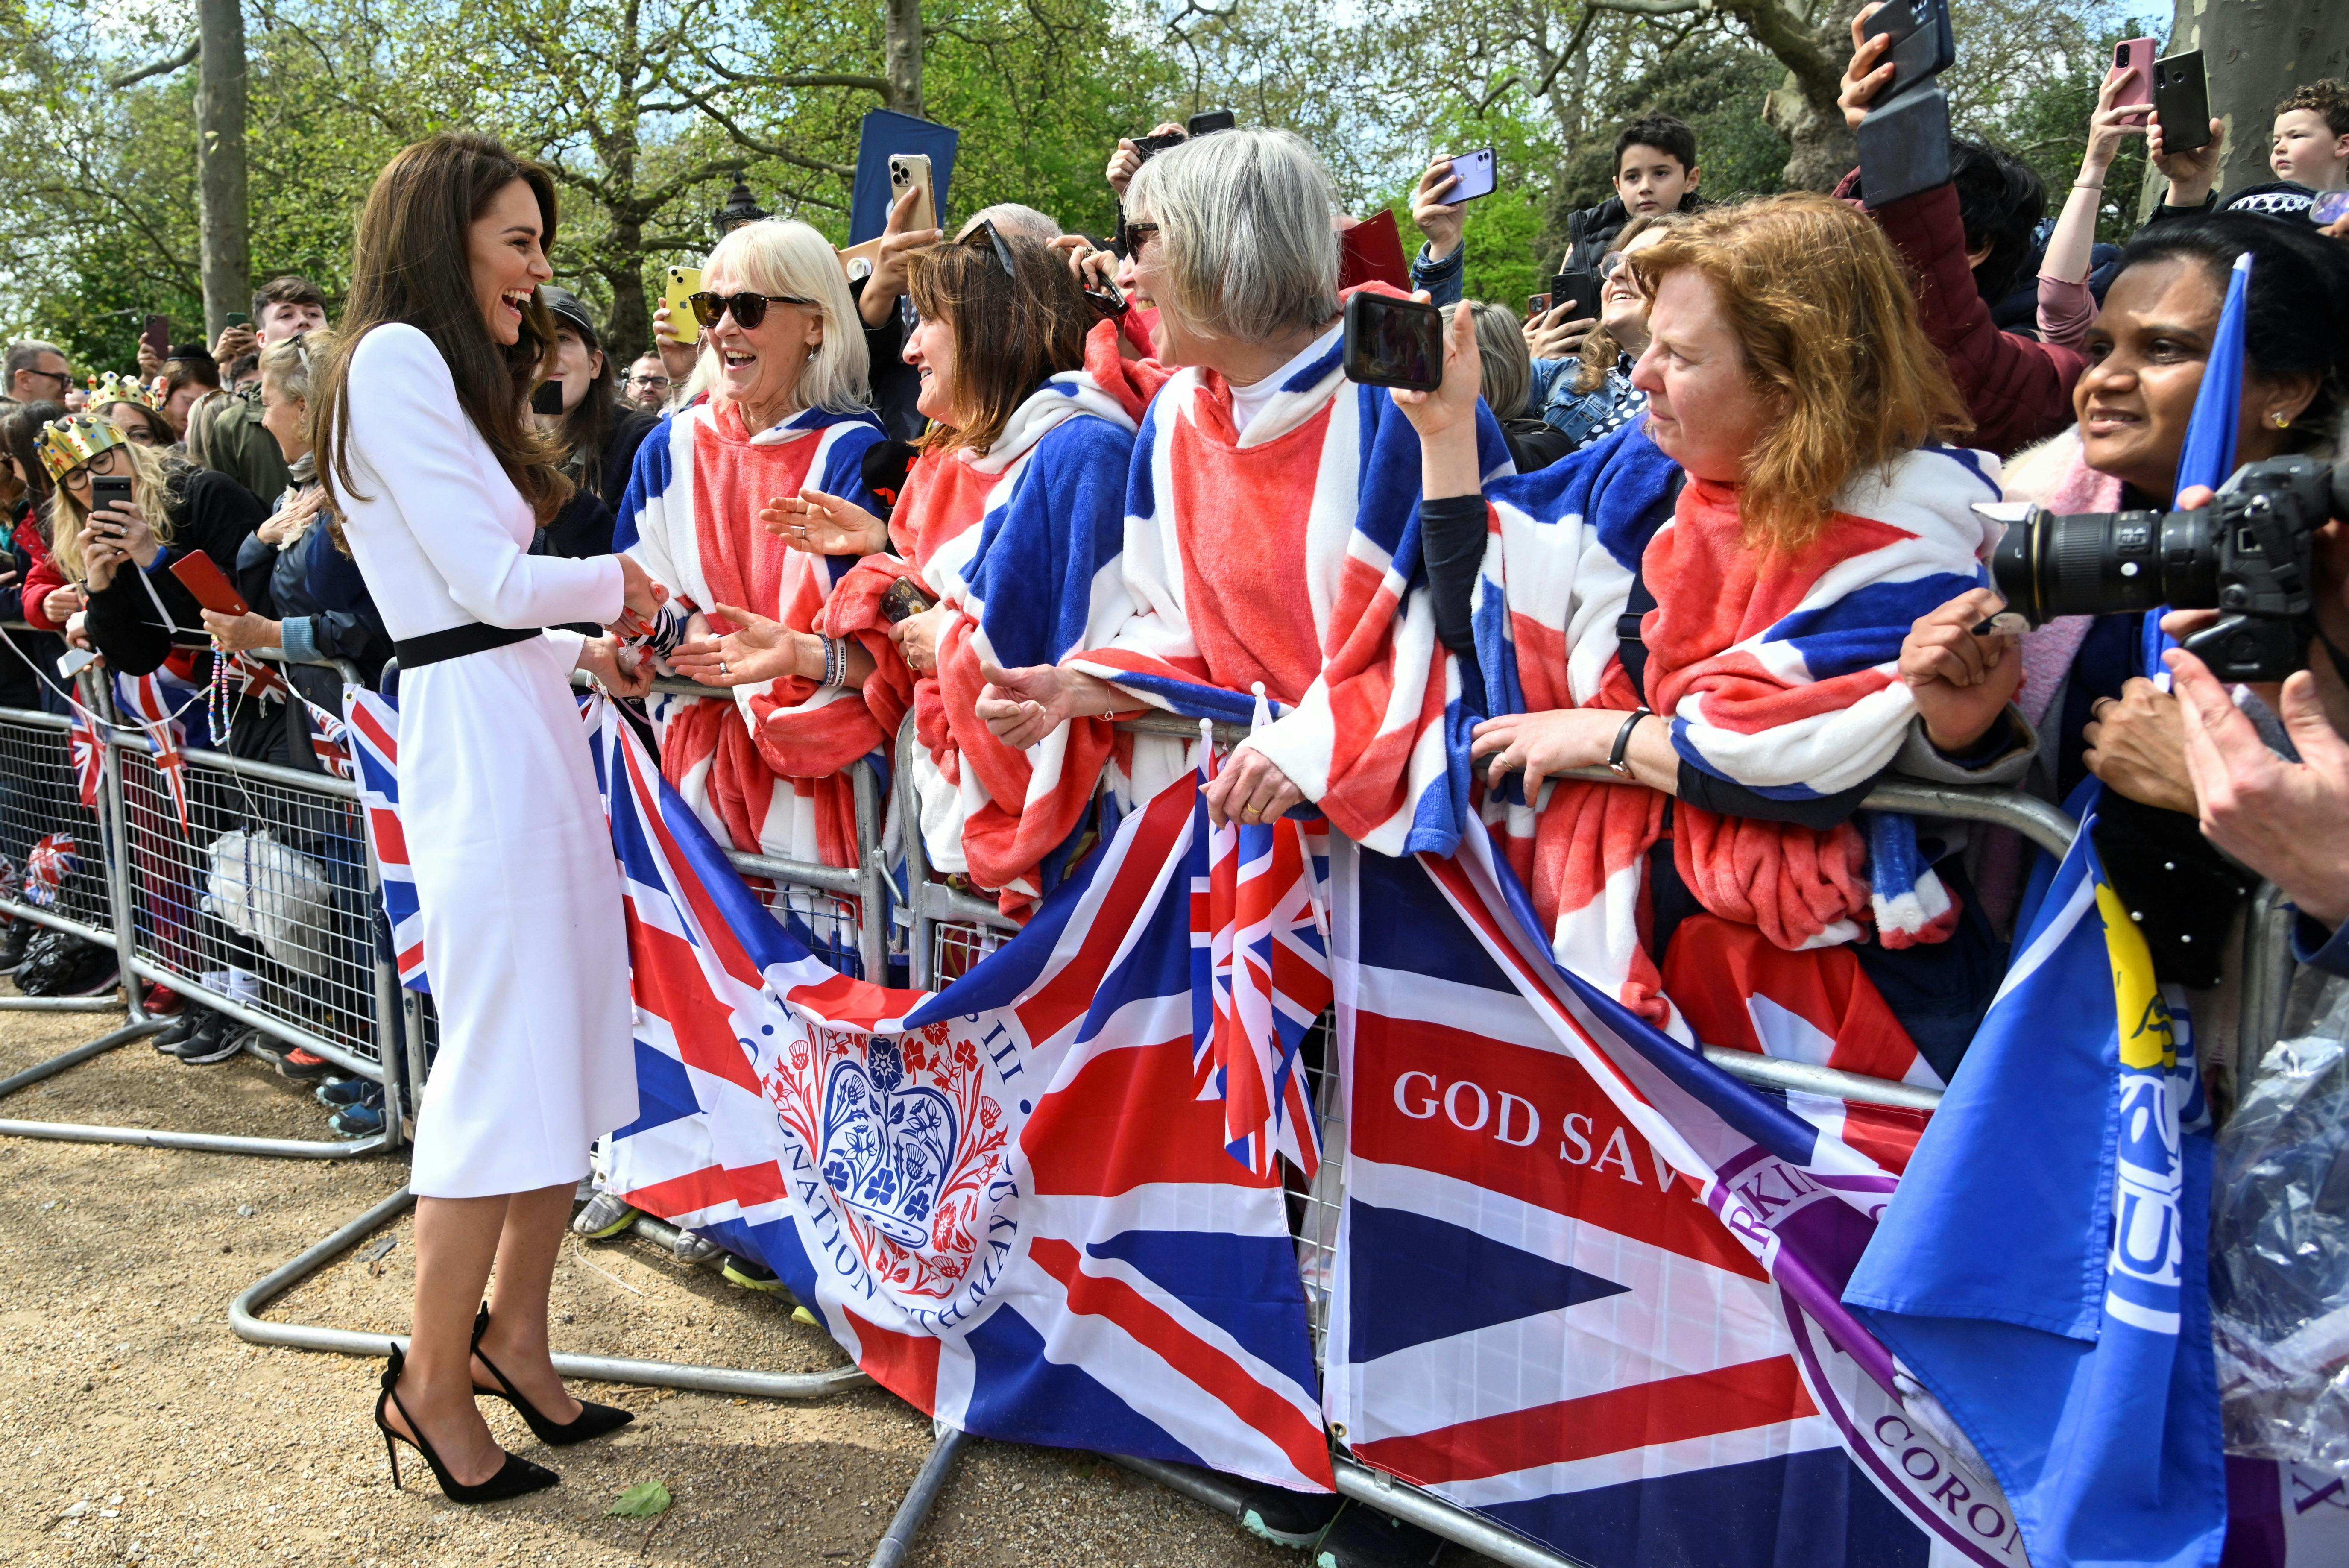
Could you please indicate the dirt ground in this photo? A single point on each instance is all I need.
(135, 1426)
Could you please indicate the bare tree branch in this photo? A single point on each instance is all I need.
(163, 68)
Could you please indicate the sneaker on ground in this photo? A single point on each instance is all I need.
(337, 1092)
(99, 984)
(216, 1039)
(689, 1247)
(607, 1215)
(186, 1022)
(357, 1121)
(162, 1000)
(303, 1067)
(1287, 1518)
(749, 1276)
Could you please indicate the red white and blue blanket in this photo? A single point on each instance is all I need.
(1021, 543)
(1779, 676)
(765, 771)
(1287, 555)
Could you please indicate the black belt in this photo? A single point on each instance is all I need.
(458, 642)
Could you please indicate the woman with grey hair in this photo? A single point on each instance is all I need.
(1272, 535)
(1508, 388)
(786, 415)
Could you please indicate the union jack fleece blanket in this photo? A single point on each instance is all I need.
(1778, 676)
(1020, 542)
(764, 771)
(1284, 557)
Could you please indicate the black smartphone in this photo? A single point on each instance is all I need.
(1577, 286)
(1214, 119)
(2181, 97)
(1392, 342)
(1150, 147)
(238, 318)
(1904, 146)
(1923, 44)
(158, 336)
(110, 490)
(548, 399)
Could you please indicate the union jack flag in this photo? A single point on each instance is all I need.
(250, 677)
(88, 757)
(45, 869)
(1259, 975)
(373, 737)
(147, 700)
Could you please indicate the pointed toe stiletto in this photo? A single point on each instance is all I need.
(593, 1420)
(514, 1478)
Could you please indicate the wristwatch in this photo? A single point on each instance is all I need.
(1616, 764)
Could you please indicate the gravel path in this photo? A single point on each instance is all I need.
(134, 1426)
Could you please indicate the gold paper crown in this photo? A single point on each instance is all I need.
(117, 389)
(68, 443)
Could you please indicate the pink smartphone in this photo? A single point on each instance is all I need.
(2135, 57)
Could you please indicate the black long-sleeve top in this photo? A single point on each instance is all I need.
(208, 512)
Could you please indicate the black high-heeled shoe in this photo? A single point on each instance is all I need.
(515, 1476)
(593, 1420)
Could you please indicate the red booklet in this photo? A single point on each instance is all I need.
(203, 577)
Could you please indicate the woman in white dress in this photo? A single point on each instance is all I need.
(424, 444)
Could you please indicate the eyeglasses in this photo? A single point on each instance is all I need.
(653, 383)
(748, 309)
(62, 378)
(985, 234)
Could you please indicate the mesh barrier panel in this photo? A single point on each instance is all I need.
(38, 798)
(826, 922)
(956, 948)
(261, 896)
(1313, 1208)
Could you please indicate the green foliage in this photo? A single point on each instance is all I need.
(643, 1500)
(2046, 124)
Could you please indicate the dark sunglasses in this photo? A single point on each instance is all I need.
(1132, 237)
(748, 309)
(985, 234)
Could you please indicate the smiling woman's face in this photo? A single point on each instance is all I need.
(505, 246)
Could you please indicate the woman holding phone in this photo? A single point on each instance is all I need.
(425, 449)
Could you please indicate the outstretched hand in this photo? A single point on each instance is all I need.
(757, 649)
(1454, 403)
(1864, 77)
(2281, 818)
(824, 525)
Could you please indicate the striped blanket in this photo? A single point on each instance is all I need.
(1781, 678)
(1286, 556)
(765, 776)
(1020, 542)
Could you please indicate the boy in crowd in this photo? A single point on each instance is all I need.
(1655, 171)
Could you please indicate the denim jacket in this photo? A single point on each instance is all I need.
(1587, 416)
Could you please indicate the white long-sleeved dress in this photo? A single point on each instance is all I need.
(521, 897)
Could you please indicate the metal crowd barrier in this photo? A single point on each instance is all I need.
(291, 903)
(946, 929)
(827, 900)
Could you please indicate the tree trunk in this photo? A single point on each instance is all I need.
(902, 20)
(226, 248)
(630, 332)
(1802, 109)
(2256, 52)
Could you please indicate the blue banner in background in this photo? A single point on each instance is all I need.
(884, 134)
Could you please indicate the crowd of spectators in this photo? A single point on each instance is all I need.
(1005, 483)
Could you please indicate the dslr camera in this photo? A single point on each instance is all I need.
(2249, 555)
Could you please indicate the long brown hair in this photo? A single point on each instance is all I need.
(1830, 331)
(1010, 334)
(411, 262)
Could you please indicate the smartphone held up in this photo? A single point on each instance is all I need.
(1392, 342)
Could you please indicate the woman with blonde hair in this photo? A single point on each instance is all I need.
(784, 355)
(1740, 664)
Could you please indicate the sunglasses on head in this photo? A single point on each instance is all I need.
(983, 235)
(748, 309)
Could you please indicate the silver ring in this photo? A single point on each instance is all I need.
(722, 669)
